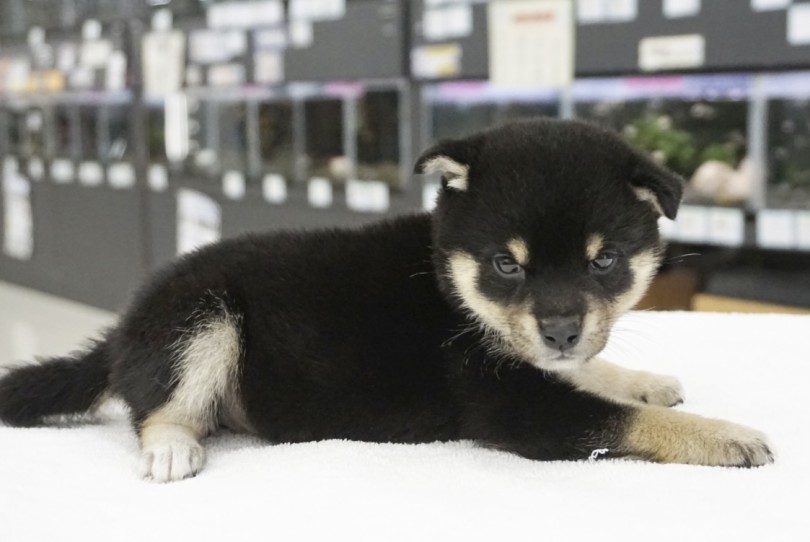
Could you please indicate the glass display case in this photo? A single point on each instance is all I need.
(324, 145)
(203, 159)
(788, 136)
(276, 140)
(65, 139)
(460, 108)
(378, 137)
(233, 133)
(695, 125)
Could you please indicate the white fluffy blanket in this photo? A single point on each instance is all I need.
(81, 482)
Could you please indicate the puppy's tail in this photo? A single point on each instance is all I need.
(63, 385)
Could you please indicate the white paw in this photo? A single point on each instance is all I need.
(169, 461)
(656, 389)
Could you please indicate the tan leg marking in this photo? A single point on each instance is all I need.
(669, 436)
(605, 379)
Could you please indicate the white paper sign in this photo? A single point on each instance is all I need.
(274, 188)
(531, 43)
(245, 14)
(769, 5)
(775, 228)
(233, 185)
(436, 61)
(453, 21)
(301, 33)
(674, 9)
(803, 230)
(319, 192)
(726, 226)
(672, 52)
(18, 217)
(199, 220)
(798, 24)
(693, 224)
(367, 196)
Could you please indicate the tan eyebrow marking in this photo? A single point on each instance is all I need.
(594, 246)
(519, 250)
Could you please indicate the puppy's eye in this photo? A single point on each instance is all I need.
(603, 263)
(506, 265)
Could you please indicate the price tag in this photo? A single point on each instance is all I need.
(367, 196)
(158, 177)
(90, 174)
(62, 171)
(319, 193)
(233, 185)
(274, 188)
(36, 169)
(121, 175)
(776, 228)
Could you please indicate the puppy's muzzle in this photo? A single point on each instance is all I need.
(562, 332)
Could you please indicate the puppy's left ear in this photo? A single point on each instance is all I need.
(659, 186)
(452, 158)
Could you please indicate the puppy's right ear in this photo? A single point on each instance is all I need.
(452, 158)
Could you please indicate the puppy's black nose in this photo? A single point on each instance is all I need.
(561, 333)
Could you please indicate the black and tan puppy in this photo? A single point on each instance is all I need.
(481, 321)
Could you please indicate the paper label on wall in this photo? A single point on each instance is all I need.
(436, 61)
(317, 10)
(62, 171)
(121, 175)
(158, 177)
(531, 43)
(672, 52)
(199, 220)
(319, 192)
(233, 185)
(803, 230)
(367, 196)
(693, 224)
(245, 14)
(622, 11)
(430, 192)
(268, 67)
(591, 11)
(769, 5)
(675, 9)
(302, 35)
(726, 226)
(776, 228)
(18, 217)
(163, 62)
(274, 188)
(798, 24)
(90, 174)
(447, 22)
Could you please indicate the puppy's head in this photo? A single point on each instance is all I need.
(545, 232)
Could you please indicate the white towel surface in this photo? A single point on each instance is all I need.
(81, 483)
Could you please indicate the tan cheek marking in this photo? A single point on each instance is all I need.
(519, 250)
(464, 273)
(643, 266)
(594, 246)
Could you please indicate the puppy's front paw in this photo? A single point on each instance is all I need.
(171, 461)
(656, 389)
(670, 436)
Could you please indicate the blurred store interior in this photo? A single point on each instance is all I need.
(132, 131)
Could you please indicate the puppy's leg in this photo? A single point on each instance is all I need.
(669, 436)
(206, 374)
(605, 379)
